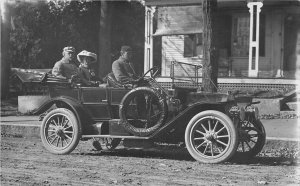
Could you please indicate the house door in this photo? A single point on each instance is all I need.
(291, 38)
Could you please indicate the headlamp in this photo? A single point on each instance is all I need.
(252, 110)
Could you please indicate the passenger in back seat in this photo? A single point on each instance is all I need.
(85, 71)
(66, 67)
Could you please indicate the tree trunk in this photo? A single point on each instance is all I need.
(105, 38)
(5, 63)
(210, 66)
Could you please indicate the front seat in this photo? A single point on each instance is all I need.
(113, 82)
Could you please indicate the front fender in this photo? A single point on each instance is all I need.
(181, 120)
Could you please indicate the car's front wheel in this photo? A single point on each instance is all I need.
(252, 138)
(211, 137)
(60, 131)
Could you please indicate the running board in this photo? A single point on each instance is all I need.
(113, 136)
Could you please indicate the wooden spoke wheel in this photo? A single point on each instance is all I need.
(60, 131)
(211, 137)
(252, 138)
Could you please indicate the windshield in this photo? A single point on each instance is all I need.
(185, 72)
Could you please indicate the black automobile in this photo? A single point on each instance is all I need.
(213, 126)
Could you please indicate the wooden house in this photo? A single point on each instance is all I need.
(258, 41)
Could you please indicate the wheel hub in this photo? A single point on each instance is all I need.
(210, 136)
(244, 136)
(60, 132)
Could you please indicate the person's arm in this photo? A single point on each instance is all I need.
(134, 75)
(57, 69)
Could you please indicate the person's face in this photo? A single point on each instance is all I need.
(69, 55)
(87, 60)
(127, 55)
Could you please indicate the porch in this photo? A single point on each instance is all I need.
(259, 42)
(226, 84)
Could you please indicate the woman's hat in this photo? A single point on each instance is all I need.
(86, 53)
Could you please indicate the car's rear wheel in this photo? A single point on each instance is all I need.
(60, 131)
(106, 143)
(252, 138)
(143, 110)
(211, 137)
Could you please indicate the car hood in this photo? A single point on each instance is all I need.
(206, 97)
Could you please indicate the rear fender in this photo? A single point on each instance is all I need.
(69, 103)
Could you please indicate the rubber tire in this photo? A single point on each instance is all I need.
(123, 108)
(229, 151)
(76, 128)
(258, 146)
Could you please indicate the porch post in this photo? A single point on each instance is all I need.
(148, 51)
(254, 9)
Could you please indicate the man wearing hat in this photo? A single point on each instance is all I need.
(85, 71)
(122, 68)
(66, 67)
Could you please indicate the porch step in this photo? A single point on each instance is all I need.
(293, 105)
(289, 96)
(290, 101)
(268, 106)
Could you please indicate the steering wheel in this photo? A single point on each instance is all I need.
(153, 72)
(142, 80)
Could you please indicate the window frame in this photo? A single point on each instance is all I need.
(191, 42)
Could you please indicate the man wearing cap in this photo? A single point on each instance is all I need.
(66, 67)
(122, 68)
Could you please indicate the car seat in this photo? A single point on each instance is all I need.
(113, 82)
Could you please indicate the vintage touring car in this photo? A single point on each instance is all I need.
(214, 126)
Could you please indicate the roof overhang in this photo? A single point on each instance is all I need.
(171, 2)
(234, 3)
(178, 20)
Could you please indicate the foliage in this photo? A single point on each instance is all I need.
(128, 28)
(24, 41)
(40, 30)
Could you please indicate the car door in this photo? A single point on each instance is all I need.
(95, 101)
(115, 96)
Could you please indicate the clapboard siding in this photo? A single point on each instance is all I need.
(173, 50)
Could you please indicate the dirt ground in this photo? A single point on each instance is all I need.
(26, 162)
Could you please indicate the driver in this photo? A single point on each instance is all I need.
(123, 69)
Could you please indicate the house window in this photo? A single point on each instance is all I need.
(240, 35)
(193, 45)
